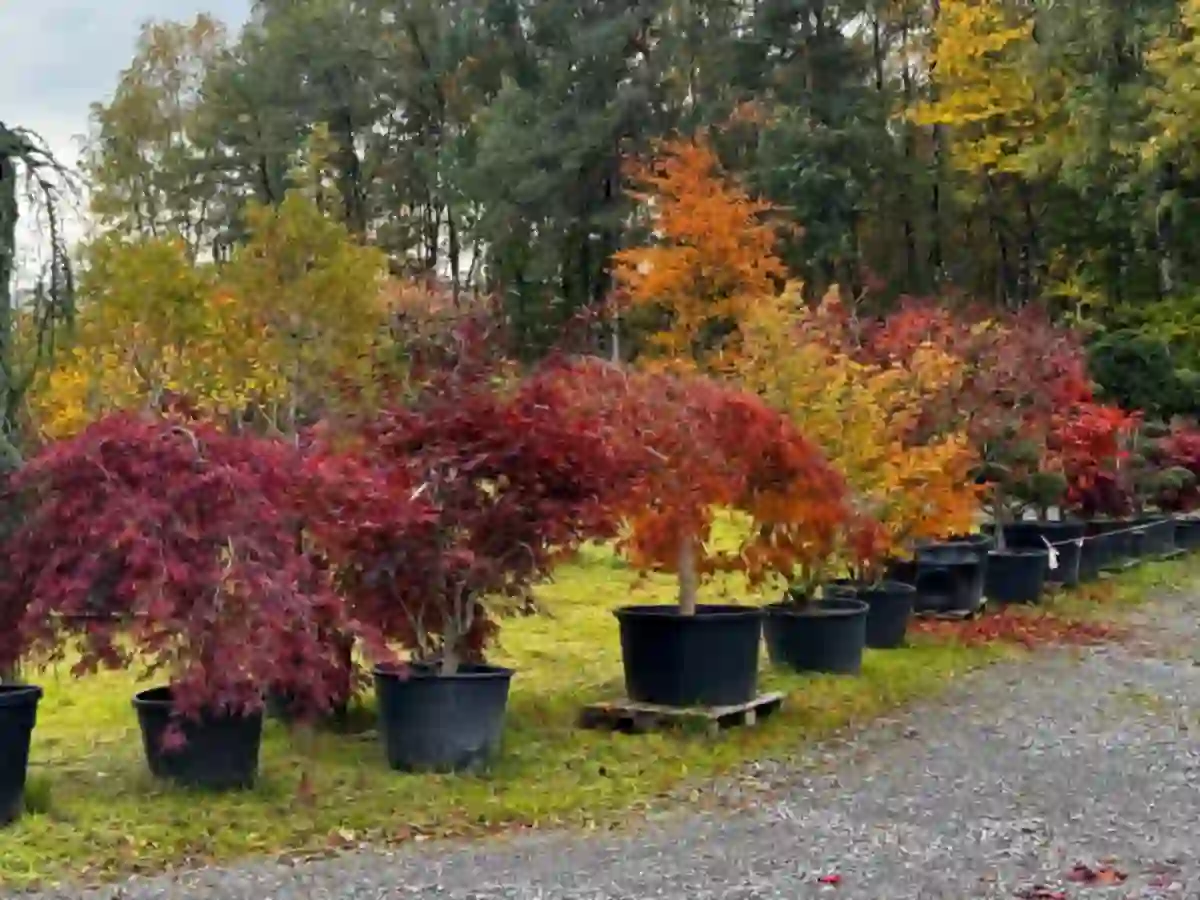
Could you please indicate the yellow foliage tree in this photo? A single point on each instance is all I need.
(861, 416)
(279, 330)
(1174, 108)
(984, 95)
(315, 294)
(711, 260)
(151, 323)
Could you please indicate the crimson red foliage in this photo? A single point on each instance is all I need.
(1012, 626)
(514, 477)
(690, 445)
(176, 545)
(1089, 441)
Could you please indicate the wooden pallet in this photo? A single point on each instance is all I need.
(638, 718)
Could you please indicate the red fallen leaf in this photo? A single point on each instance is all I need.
(830, 879)
(1082, 874)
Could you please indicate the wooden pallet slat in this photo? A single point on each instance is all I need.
(624, 715)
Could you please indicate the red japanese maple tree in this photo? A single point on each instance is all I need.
(515, 477)
(1090, 442)
(691, 445)
(168, 543)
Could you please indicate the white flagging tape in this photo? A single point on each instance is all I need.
(1053, 554)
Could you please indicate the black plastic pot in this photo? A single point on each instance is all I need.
(1158, 536)
(820, 636)
(841, 587)
(1124, 543)
(1067, 538)
(901, 570)
(1097, 552)
(706, 659)
(432, 722)
(1017, 575)
(950, 577)
(220, 751)
(890, 606)
(1187, 533)
(18, 715)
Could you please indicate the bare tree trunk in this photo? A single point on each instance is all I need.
(689, 583)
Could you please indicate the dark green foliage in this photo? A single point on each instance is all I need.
(1137, 371)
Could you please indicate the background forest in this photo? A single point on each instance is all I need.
(1008, 151)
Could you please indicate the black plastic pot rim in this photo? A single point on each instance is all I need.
(19, 694)
(707, 612)
(161, 698)
(423, 672)
(829, 608)
(1021, 551)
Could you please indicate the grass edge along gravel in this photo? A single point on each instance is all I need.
(95, 813)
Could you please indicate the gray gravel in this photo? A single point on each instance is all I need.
(1016, 776)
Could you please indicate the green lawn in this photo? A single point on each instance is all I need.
(95, 811)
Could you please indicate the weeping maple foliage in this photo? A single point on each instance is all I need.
(167, 543)
(514, 477)
(710, 258)
(691, 446)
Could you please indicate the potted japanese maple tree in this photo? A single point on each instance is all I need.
(514, 478)
(709, 446)
(168, 546)
(1179, 452)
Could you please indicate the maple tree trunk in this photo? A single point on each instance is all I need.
(688, 582)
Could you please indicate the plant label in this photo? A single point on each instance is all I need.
(1053, 553)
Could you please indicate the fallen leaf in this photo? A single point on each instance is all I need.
(830, 879)
(1082, 874)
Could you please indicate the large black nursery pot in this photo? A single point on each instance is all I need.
(18, 715)
(950, 576)
(1157, 536)
(219, 752)
(889, 608)
(1187, 533)
(434, 722)
(820, 635)
(1067, 538)
(1017, 575)
(709, 658)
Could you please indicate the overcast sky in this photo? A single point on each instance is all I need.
(58, 56)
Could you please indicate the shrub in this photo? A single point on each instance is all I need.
(166, 542)
(513, 477)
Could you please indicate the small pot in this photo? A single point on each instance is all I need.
(441, 723)
(950, 577)
(220, 751)
(18, 715)
(1065, 536)
(890, 606)
(1157, 536)
(820, 636)
(706, 659)
(1016, 576)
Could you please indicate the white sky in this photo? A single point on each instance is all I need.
(58, 56)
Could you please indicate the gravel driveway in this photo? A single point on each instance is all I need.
(1002, 786)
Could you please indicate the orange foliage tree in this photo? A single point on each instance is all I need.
(695, 445)
(865, 417)
(709, 262)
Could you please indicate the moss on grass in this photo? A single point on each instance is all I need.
(94, 811)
